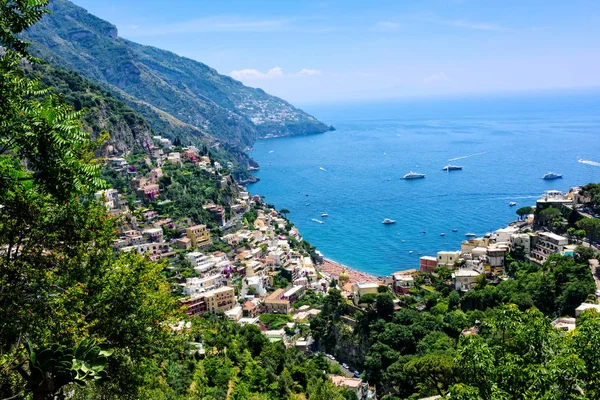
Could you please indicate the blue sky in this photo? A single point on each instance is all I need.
(323, 51)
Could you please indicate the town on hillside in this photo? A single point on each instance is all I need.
(240, 258)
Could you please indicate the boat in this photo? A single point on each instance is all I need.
(404, 241)
(388, 221)
(454, 230)
(450, 167)
(470, 235)
(551, 175)
(410, 252)
(413, 175)
(512, 204)
(308, 204)
(324, 215)
(442, 234)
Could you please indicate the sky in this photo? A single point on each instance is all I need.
(316, 51)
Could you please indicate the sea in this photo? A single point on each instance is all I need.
(505, 143)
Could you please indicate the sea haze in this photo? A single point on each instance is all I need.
(504, 143)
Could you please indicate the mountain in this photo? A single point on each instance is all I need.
(178, 96)
(129, 131)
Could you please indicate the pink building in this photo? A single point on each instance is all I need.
(427, 264)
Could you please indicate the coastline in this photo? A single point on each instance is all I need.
(334, 269)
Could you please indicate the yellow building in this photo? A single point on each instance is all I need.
(275, 303)
(199, 235)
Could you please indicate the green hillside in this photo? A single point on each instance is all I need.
(170, 91)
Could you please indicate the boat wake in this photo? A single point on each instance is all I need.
(588, 162)
(316, 220)
(471, 155)
(322, 169)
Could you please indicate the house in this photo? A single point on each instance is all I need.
(199, 235)
(275, 303)
(448, 258)
(523, 240)
(148, 192)
(250, 309)
(464, 279)
(155, 175)
(586, 306)
(235, 314)
(564, 324)
(403, 283)
(360, 388)
(110, 198)
(294, 293)
(547, 243)
(153, 234)
(504, 234)
(362, 288)
(427, 264)
(256, 282)
(184, 243)
(220, 299)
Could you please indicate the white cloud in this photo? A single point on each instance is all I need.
(273, 73)
(387, 26)
(436, 78)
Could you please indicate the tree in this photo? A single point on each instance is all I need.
(591, 226)
(583, 254)
(549, 215)
(453, 299)
(523, 211)
(61, 283)
(384, 304)
(284, 212)
(252, 291)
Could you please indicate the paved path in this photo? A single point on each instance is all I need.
(594, 265)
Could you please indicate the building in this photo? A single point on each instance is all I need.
(448, 258)
(427, 264)
(586, 306)
(153, 234)
(235, 314)
(199, 235)
(220, 299)
(148, 192)
(564, 324)
(403, 283)
(110, 198)
(522, 240)
(294, 293)
(276, 304)
(183, 243)
(464, 279)
(504, 234)
(547, 243)
(360, 388)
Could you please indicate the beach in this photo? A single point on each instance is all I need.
(334, 269)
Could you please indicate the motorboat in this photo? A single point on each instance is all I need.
(470, 235)
(454, 230)
(324, 215)
(450, 167)
(551, 175)
(413, 175)
(512, 204)
(388, 221)
(442, 234)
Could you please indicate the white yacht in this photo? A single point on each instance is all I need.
(413, 175)
(451, 168)
(512, 204)
(470, 235)
(324, 215)
(388, 221)
(551, 175)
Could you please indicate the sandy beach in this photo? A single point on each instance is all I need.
(334, 269)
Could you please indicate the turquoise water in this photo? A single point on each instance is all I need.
(505, 144)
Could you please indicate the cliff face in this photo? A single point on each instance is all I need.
(168, 90)
(127, 129)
